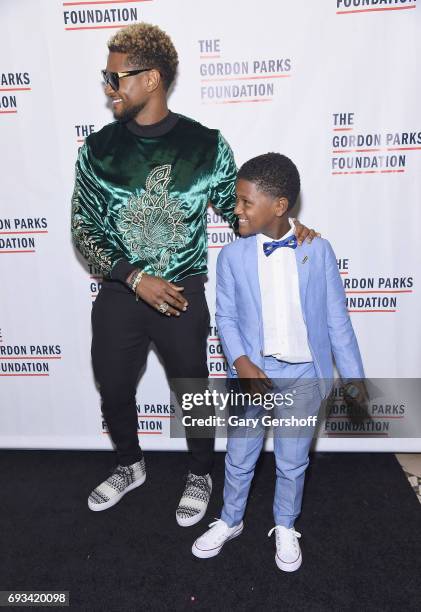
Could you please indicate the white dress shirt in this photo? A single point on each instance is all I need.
(285, 333)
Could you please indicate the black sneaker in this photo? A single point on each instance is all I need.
(122, 480)
(195, 499)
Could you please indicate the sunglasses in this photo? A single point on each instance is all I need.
(113, 78)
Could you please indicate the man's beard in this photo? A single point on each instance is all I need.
(130, 113)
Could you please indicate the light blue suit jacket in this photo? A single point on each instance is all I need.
(329, 329)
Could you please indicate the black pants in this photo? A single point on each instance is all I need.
(122, 332)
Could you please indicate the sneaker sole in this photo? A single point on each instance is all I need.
(112, 502)
(207, 554)
(288, 567)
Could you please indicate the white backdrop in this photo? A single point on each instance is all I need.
(331, 83)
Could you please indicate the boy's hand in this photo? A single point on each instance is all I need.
(357, 398)
(303, 233)
(254, 380)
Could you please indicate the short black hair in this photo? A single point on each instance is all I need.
(274, 174)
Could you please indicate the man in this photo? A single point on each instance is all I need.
(142, 188)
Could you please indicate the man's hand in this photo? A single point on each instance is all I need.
(303, 233)
(156, 291)
(254, 379)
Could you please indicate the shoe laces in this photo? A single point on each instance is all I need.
(218, 528)
(197, 482)
(119, 474)
(294, 535)
(122, 469)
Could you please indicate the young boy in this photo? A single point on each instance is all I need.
(281, 313)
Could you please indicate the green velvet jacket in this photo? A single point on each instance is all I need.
(141, 196)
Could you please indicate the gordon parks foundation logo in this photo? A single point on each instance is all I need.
(347, 7)
(379, 419)
(11, 84)
(381, 294)
(94, 275)
(99, 15)
(83, 130)
(27, 359)
(152, 419)
(231, 80)
(219, 232)
(361, 152)
(217, 364)
(21, 234)
(95, 279)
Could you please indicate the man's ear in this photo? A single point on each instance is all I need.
(281, 207)
(154, 79)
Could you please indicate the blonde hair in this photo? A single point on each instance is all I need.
(147, 46)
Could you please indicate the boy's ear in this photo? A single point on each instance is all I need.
(282, 207)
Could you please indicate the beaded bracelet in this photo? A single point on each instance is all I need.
(130, 278)
(136, 281)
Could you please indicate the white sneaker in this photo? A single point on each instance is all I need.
(288, 553)
(122, 480)
(194, 501)
(212, 541)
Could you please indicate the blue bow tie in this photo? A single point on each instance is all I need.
(269, 247)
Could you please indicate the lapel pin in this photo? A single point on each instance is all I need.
(305, 259)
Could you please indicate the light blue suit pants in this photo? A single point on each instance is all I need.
(291, 453)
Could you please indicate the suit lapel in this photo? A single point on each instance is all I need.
(303, 269)
(252, 273)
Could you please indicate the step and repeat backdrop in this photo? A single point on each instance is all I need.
(333, 84)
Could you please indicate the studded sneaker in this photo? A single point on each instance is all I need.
(122, 480)
(212, 541)
(195, 499)
(288, 553)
